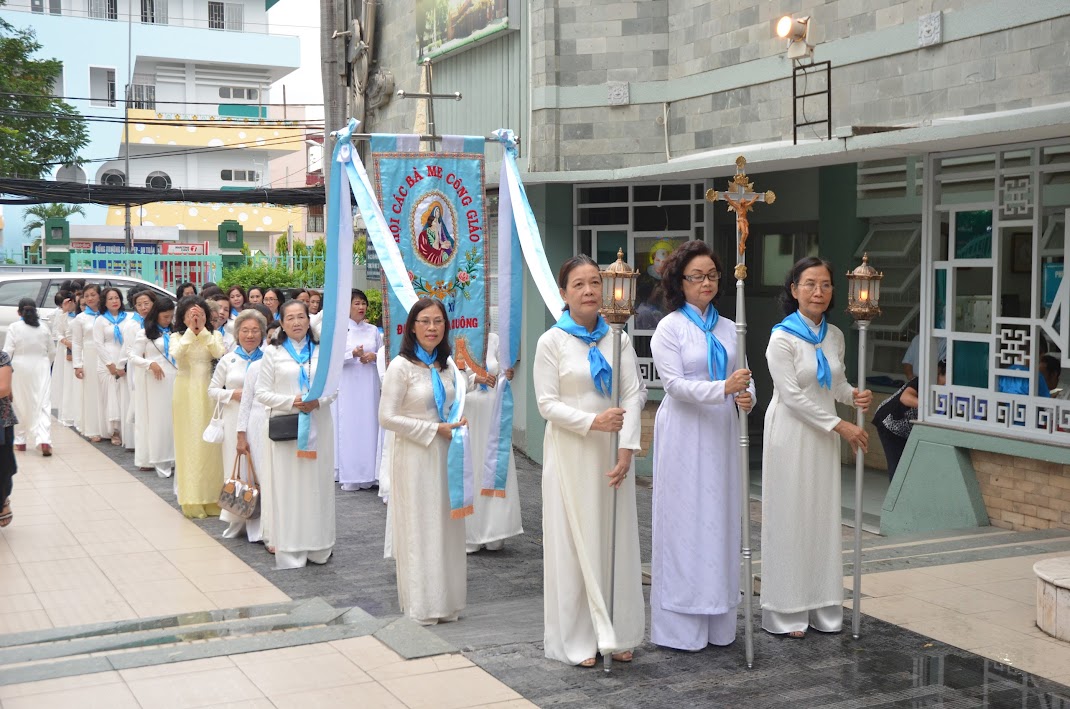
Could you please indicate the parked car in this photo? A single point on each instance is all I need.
(43, 286)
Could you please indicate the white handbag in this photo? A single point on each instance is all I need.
(214, 432)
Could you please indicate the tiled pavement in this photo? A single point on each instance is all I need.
(952, 596)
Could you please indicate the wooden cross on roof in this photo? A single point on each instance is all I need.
(741, 197)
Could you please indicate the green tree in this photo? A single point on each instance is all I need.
(36, 215)
(262, 276)
(37, 130)
(300, 247)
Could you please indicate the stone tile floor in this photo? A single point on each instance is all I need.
(949, 629)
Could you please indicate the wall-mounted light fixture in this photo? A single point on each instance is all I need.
(797, 31)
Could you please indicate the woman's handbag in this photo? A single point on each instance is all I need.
(239, 497)
(214, 432)
(283, 428)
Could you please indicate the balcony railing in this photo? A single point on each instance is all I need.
(213, 23)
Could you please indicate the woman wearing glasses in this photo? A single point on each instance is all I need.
(428, 544)
(802, 568)
(696, 512)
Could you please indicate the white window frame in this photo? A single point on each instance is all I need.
(110, 100)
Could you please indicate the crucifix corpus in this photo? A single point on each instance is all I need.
(741, 198)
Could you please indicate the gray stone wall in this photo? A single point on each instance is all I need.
(397, 53)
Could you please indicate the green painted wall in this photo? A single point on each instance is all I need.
(552, 205)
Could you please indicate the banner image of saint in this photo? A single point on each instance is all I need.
(434, 208)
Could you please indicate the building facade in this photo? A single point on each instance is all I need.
(197, 74)
(935, 139)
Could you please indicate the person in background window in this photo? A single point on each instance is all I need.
(910, 359)
(84, 360)
(1051, 370)
(895, 416)
(1020, 385)
(30, 347)
(185, 289)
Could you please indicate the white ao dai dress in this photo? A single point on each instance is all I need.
(302, 499)
(577, 504)
(696, 512)
(129, 426)
(153, 401)
(59, 326)
(252, 420)
(113, 392)
(357, 409)
(494, 519)
(229, 376)
(84, 357)
(70, 406)
(31, 350)
(428, 545)
(802, 563)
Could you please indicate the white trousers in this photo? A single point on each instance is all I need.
(828, 619)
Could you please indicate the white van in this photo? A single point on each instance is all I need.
(42, 286)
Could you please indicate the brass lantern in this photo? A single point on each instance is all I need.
(618, 291)
(863, 297)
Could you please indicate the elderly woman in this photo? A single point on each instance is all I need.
(30, 347)
(572, 379)
(302, 505)
(198, 465)
(428, 544)
(151, 356)
(696, 511)
(227, 389)
(252, 438)
(84, 360)
(802, 566)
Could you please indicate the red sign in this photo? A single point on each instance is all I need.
(200, 249)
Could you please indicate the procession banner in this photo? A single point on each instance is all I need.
(402, 293)
(433, 204)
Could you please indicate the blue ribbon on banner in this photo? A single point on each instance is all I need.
(459, 459)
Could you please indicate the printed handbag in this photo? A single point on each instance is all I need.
(239, 497)
(283, 428)
(213, 433)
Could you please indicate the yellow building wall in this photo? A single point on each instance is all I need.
(190, 216)
(152, 128)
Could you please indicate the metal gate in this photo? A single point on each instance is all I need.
(165, 271)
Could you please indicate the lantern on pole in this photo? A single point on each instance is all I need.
(863, 304)
(618, 305)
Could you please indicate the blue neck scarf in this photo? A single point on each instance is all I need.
(601, 372)
(250, 357)
(234, 312)
(716, 355)
(90, 311)
(72, 314)
(138, 319)
(166, 332)
(439, 388)
(115, 320)
(302, 358)
(795, 325)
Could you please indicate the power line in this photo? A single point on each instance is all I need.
(198, 123)
(180, 103)
(187, 151)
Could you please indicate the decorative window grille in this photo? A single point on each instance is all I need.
(104, 9)
(226, 16)
(994, 299)
(158, 180)
(154, 12)
(143, 92)
(315, 219)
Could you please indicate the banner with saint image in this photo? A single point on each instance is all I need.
(434, 208)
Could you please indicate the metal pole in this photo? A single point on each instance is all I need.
(290, 247)
(614, 445)
(430, 104)
(860, 466)
(744, 468)
(128, 230)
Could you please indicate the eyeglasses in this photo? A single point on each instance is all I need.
(437, 322)
(699, 278)
(810, 286)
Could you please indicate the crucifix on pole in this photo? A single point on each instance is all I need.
(741, 197)
(430, 97)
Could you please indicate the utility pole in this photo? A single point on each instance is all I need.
(128, 229)
(333, 74)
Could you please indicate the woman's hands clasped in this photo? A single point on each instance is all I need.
(306, 407)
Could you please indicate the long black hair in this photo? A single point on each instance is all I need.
(152, 320)
(28, 312)
(64, 295)
(179, 326)
(280, 336)
(788, 302)
(672, 272)
(409, 342)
